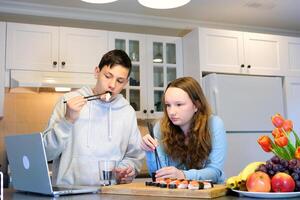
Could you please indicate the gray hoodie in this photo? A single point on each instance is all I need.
(104, 130)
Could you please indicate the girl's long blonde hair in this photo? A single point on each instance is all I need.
(196, 151)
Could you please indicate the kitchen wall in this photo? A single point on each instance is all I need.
(28, 110)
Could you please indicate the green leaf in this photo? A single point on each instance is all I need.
(297, 140)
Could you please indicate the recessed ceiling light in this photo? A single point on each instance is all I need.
(163, 4)
(99, 1)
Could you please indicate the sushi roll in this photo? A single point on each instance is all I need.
(193, 185)
(208, 184)
(172, 185)
(183, 184)
(148, 183)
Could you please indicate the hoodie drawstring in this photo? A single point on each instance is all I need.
(89, 128)
(109, 124)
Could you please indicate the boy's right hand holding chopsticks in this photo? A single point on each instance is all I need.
(74, 106)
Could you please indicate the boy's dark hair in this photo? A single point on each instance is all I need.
(116, 57)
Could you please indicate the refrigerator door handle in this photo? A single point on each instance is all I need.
(216, 100)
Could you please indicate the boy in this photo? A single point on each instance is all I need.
(82, 132)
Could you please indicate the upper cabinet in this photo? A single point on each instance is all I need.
(156, 61)
(216, 50)
(135, 46)
(293, 60)
(50, 48)
(164, 64)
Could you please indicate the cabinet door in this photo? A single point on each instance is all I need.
(2, 68)
(293, 51)
(32, 47)
(292, 89)
(221, 50)
(263, 54)
(81, 49)
(164, 64)
(136, 90)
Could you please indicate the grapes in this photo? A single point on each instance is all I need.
(298, 184)
(284, 163)
(276, 164)
(275, 159)
(293, 162)
(271, 172)
(295, 176)
(269, 166)
(297, 170)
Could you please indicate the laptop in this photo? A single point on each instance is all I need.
(29, 168)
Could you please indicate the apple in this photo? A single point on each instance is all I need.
(258, 182)
(282, 182)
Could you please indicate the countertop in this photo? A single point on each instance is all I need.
(11, 194)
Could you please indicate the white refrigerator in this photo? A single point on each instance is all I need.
(246, 105)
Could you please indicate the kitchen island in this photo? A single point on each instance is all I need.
(11, 194)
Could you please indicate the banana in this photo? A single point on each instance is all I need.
(242, 185)
(249, 169)
(233, 182)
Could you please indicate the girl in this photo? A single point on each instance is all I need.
(190, 141)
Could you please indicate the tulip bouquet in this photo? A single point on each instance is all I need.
(282, 145)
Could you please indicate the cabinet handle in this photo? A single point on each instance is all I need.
(249, 66)
(242, 65)
(145, 111)
(151, 111)
(63, 63)
(54, 63)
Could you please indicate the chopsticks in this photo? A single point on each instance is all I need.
(157, 160)
(93, 97)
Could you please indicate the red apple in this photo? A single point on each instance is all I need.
(282, 182)
(258, 182)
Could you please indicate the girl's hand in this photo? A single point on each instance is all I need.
(148, 143)
(170, 172)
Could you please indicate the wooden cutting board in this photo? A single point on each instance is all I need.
(139, 188)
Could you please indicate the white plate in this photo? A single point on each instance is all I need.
(268, 194)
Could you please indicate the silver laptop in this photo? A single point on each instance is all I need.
(29, 168)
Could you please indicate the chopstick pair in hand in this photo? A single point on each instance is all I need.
(95, 96)
(157, 160)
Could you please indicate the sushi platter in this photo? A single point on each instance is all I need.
(148, 189)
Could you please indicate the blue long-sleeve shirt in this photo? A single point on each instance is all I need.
(213, 167)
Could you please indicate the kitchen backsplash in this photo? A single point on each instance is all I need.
(28, 111)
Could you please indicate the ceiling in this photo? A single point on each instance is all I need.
(282, 15)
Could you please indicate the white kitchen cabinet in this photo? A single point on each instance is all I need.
(264, 54)
(156, 61)
(135, 46)
(223, 51)
(2, 66)
(50, 48)
(292, 95)
(164, 64)
(293, 59)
